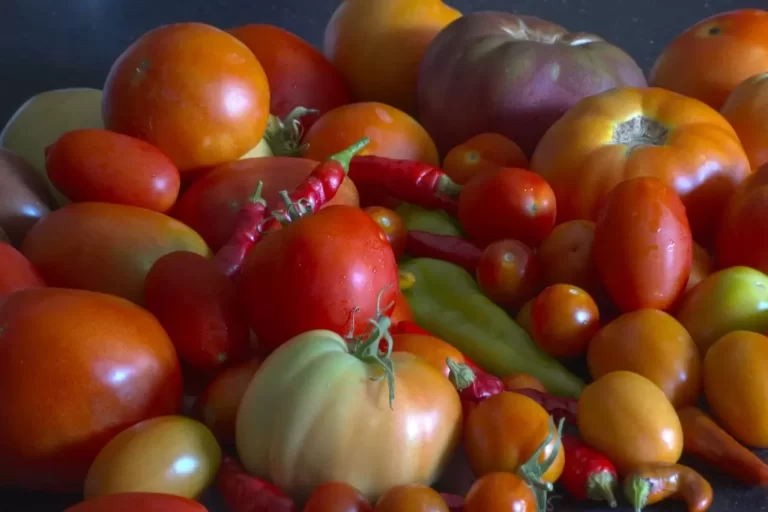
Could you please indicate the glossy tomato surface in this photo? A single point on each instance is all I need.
(563, 320)
(392, 225)
(508, 273)
(503, 492)
(565, 256)
(484, 152)
(411, 498)
(431, 349)
(337, 497)
(138, 501)
(746, 109)
(16, 272)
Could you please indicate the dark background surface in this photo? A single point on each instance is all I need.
(49, 44)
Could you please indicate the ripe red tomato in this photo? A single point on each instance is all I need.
(508, 273)
(192, 90)
(507, 203)
(500, 492)
(99, 165)
(337, 497)
(643, 245)
(392, 225)
(316, 273)
(565, 256)
(483, 152)
(76, 368)
(563, 320)
(138, 502)
(16, 272)
(411, 498)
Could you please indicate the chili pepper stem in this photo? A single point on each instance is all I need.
(283, 136)
(637, 491)
(256, 197)
(345, 156)
(448, 188)
(600, 487)
(460, 375)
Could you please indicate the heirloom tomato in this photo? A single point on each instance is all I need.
(138, 501)
(16, 272)
(337, 497)
(480, 153)
(411, 498)
(746, 109)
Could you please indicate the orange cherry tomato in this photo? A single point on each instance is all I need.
(702, 266)
(508, 273)
(523, 317)
(563, 320)
(565, 256)
(392, 225)
(500, 492)
(484, 152)
(433, 350)
(746, 109)
(337, 497)
(522, 381)
(411, 498)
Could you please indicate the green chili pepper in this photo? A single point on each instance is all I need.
(447, 301)
(439, 222)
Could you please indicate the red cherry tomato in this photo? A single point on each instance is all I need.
(392, 225)
(337, 497)
(563, 320)
(508, 273)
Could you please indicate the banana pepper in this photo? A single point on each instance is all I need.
(446, 301)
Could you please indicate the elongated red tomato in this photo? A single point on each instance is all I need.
(16, 271)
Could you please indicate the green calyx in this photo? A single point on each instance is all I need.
(532, 471)
(637, 490)
(345, 157)
(600, 487)
(461, 375)
(283, 136)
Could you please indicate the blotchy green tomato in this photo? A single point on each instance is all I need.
(439, 222)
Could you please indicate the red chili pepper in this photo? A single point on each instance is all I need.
(587, 474)
(406, 180)
(559, 407)
(473, 385)
(245, 493)
(230, 257)
(423, 244)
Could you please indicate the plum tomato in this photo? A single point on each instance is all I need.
(508, 273)
(563, 320)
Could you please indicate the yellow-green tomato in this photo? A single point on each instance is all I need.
(732, 299)
(316, 412)
(169, 455)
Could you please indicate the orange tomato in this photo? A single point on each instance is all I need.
(746, 109)
(628, 419)
(193, 91)
(392, 225)
(16, 272)
(736, 384)
(702, 266)
(378, 45)
(411, 498)
(393, 133)
(565, 256)
(522, 381)
(500, 492)
(484, 152)
(653, 344)
(631, 132)
(402, 310)
(563, 320)
(523, 317)
(508, 273)
(708, 60)
(493, 446)
(433, 350)
(337, 497)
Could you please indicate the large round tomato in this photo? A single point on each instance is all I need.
(138, 501)
(105, 247)
(627, 133)
(16, 272)
(746, 109)
(643, 246)
(192, 90)
(713, 56)
(328, 270)
(211, 204)
(337, 423)
(76, 368)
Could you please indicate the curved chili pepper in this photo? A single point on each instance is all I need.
(587, 474)
(652, 483)
(461, 252)
(230, 257)
(245, 493)
(473, 385)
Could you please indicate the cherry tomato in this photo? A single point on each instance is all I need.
(411, 498)
(508, 273)
(402, 310)
(392, 225)
(523, 317)
(507, 203)
(483, 152)
(500, 492)
(16, 272)
(565, 256)
(337, 497)
(702, 266)
(433, 350)
(138, 502)
(563, 320)
(522, 381)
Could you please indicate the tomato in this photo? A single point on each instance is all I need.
(411, 498)
(629, 132)
(565, 256)
(76, 368)
(337, 497)
(563, 320)
(16, 272)
(736, 384)
(192, 90)
(523, 317)
(746, 109)
(402, 310)
(433, 350)
(138, 501)
(314, 273)
(197, 305)
(643, 245)
(500, 492)
(211, 204)
(393, 133)
(653, 344)
(105, 247)
(392, 225)
(378, 45)
(702, 266)
(733, 299)
(336, 423)
(708, 60)
(493, 446)
(481, 153)
(507, 203)
(522, 381)
(508, 273)
(627, 418)
(99, 165)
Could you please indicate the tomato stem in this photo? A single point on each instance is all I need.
(637, 491)
(460, 375)
(532, 471)
(283, 136)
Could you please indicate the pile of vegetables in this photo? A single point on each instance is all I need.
(306, 283)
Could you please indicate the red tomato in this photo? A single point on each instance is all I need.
(507, 203)
(411, 498)
(565, 256)
(500, 492)
(16, 272)
(298, 74)
(483, 152)
(197, 306)
(508, 273)
(563, 320)
(99, 165)
(138, 502)
(315, 273)
(433, 350)
(76, 368)
(643, 245)
(337, 497)
(392, 225)
(192, 90)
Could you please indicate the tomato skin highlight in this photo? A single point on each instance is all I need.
(563, 320)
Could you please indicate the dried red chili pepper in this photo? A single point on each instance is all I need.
(230, 257)
(461, 252)
(587, 474)
(245, 493)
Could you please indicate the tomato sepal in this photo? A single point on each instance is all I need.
(532, 471)
(284, 136)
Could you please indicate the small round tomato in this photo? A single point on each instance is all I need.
(215, 94)
(138, 501)
(433, 350)
(523, 317)
(653, 344)
(492, 445)
(628, 419)
(565, 256)
(522, 381)
(484, 152)
(16, 272)
(392, 225)
(736, 384)
(702, 266)
(337, 497)
(500, 492)
(507, 203)
(402, 310)
(508, 273)
(746, 110)
(411, 498)
(563, 320)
